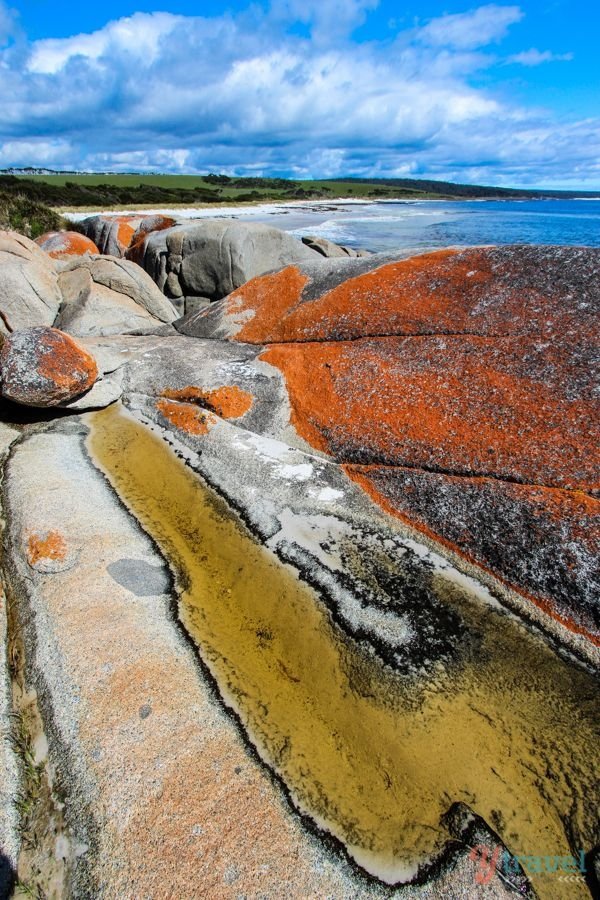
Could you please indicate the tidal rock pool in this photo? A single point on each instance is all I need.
(375, 755)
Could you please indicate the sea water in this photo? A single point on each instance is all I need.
(390, 225)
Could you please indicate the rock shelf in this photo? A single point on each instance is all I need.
(309, 607)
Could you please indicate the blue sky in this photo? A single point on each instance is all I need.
(495, 93)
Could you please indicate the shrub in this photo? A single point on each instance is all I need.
(28, 217)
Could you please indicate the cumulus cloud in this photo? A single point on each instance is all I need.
(535, 57)
(250, 95)
(139, 36)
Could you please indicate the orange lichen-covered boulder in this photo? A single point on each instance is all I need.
(147, 226)
(487, 291)
(124, 235)
(111, 234)
(457, 388)
(61, 244)
(45, 367)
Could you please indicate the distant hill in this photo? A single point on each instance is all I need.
(106, 190)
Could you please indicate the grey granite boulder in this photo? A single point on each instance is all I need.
(29, 293)
(216, 256)
(104, 295)
(112, 235)
(329, 249)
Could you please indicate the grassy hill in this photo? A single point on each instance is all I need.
(66, 189)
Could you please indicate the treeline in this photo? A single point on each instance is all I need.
(103, 195)
(463, 191)
(108, 195)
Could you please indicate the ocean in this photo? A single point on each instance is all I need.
(421, 224)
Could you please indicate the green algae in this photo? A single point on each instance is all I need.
(373, 756)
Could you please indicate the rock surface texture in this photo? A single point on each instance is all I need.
(457, 388)
(104, 295)
(329, 249)
(61, 244)
(112, 235)
(213, 257)
(44, 367)
(29, 293)
(164, 798)
(262, 631)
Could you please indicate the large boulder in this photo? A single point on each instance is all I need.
(103, 295)
(45, 367)
(111, 234)
(61, 244)
(116, 235)
(486, 291)
(456, 387)
(214, 257)
(29, 293)
(148, 224)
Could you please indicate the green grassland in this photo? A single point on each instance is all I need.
(66, 190)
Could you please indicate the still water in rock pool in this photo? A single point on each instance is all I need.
(374, 756)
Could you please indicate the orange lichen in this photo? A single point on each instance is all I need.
(269, 297)
(64, 362)
(125, 230)
(58, 244)
(228, 402)
(51, 545)
(443, 292)
(463, 405)
(187, 416)
(43, 238)
(147, 226)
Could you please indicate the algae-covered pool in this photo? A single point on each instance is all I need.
(374, 756)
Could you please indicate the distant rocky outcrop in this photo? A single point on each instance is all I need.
(29, 292)
(329, 249)
(62, 244)
(45, 367)
(135, 251)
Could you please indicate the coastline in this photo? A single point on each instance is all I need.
(206, 210)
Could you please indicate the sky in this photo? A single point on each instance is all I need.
(495, 93)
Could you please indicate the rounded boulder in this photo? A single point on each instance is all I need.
(45, 367)
(61, 244)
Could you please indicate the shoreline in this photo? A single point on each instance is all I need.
(272, 207)
(205, 210)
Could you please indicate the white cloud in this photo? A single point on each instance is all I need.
(8, 23)
(467, 31)
(327, 18)
(36, 152)
(139, 36)
(535, 57)
(248, 95)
